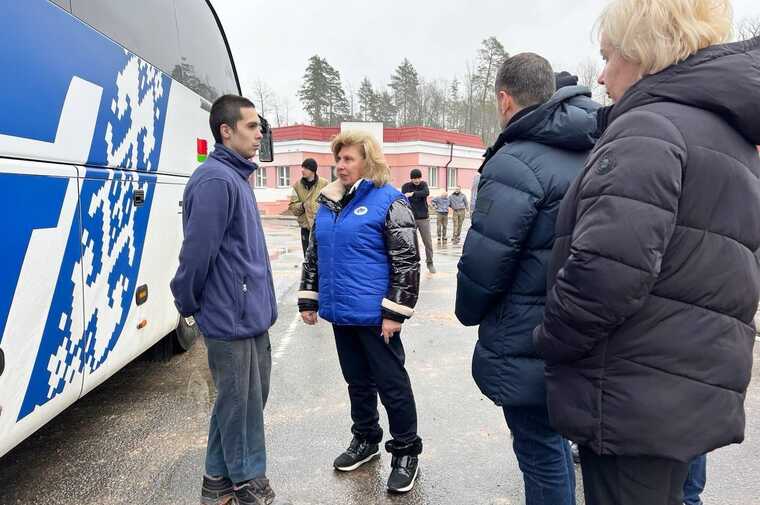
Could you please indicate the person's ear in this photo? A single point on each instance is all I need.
(505, 102)
(226, 131)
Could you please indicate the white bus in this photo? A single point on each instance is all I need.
(103, 116)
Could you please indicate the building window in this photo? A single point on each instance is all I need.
(433, 177)
(333, 174)
(452, 177)
(283, 177)
(261, 177)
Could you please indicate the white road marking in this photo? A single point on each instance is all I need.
(286, 337)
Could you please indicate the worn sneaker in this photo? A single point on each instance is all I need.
(217, 491)
(431, 268)
(358, 453)
(255, 492)
(404, 471)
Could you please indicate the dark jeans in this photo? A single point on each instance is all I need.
(371, 367)
(628, 480)
(240, 369)
(695, 481)
(305, 232)
(543, 455)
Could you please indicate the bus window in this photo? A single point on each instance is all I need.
(145, 27)
(206, 65)
(66, 4)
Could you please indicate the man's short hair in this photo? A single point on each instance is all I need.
(415, 174)
(310, 164)
(528, 77)
(226, 110)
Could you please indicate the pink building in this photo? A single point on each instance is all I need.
(427, 149)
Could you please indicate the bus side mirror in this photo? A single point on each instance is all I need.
(266, 147)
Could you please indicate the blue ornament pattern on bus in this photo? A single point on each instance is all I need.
(100, 266)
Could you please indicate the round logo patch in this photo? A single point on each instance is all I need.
(360, 211)
(605, 166)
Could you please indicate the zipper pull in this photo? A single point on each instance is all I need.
(245, 288)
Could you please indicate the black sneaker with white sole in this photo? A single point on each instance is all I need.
(217, 491)
(359, 452)
(404, 470)
(255, 492)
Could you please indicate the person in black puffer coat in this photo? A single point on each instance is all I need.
(648, 332)
(501, 282)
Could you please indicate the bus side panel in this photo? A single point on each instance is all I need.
(159, 261)
(75, 95)
(39, 213)
(186, 123)
(70, 66)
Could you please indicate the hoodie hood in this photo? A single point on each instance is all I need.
(723, 79)
(566, 121)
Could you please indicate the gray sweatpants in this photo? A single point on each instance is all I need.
(423, 225)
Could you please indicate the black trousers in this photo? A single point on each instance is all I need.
(626, 480)
(305, 232)
(371, 367)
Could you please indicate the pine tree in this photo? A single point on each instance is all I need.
(453, 107)
(490, 57)
(338, 107)
(385, 109)
(367, 101)
(314, 91)
(405, 83)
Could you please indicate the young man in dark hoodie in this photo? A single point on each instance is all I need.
(224, 285)
(501, 284)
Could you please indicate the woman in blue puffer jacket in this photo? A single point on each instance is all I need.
(361, 273)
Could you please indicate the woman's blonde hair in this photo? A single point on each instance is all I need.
(659, 33)
(375, 167)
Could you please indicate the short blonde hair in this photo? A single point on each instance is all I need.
(659, 33)
(375, 167)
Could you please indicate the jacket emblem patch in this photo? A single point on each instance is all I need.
(360, 211)
(605, 166)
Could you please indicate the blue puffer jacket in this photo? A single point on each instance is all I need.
(501, 284)
(354, 266)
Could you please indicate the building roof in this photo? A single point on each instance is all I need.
(395, 135)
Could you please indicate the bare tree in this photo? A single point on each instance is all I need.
(470, 82)
(351, 100)
(748, 28)
(262, 96)
(588, 73)
(277, 112)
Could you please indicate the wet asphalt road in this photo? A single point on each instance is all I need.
(140, 437)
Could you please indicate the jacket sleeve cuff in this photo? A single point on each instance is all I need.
(396, 308)
(308, 295)
(387, 314)
(307, 305)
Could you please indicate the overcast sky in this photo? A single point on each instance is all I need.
(273, 40)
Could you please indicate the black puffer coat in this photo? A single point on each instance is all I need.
(648, 331)
(501, 284)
